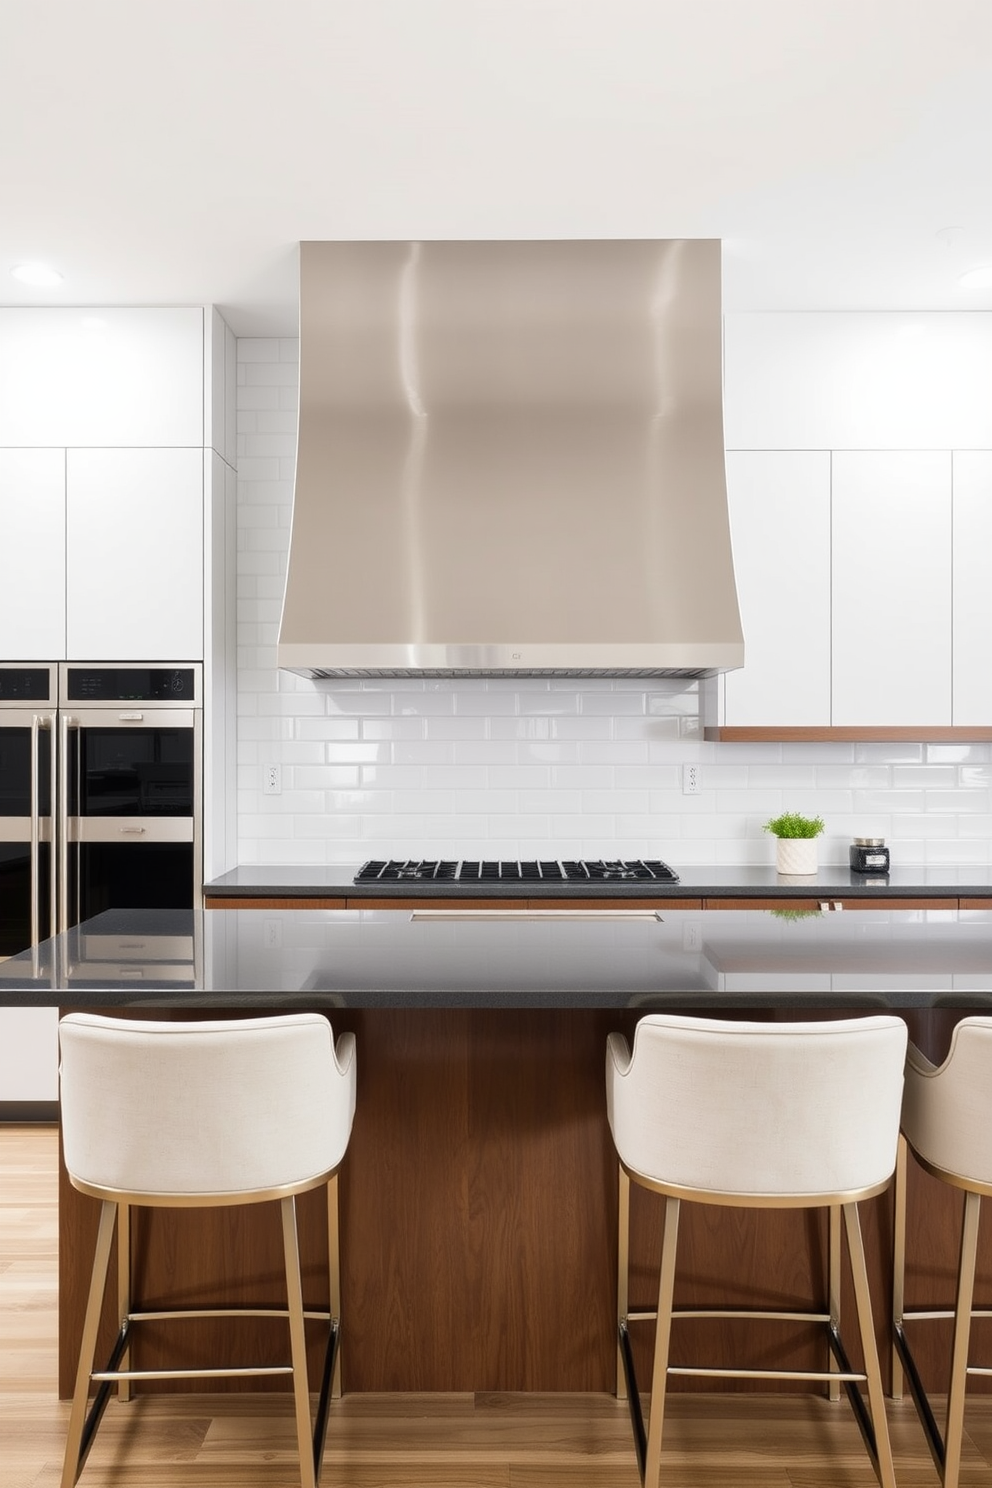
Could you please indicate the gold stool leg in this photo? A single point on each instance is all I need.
(298, 1347)
(334, 1279)
(124, 1288)
(962, 1331)
(833, 1291)
(87, 1345)
(623, 1274)
(876, 1394)
(659, 1373)
(898, 1262)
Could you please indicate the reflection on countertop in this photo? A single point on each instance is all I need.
(668, 958)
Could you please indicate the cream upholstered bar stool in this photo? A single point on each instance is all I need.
(762, 1115)
(947, 1124)
(196, 1115)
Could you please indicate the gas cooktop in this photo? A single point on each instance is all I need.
(453, 870)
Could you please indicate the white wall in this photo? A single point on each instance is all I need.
(543, 768)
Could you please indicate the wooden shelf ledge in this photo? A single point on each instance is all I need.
(785, 734)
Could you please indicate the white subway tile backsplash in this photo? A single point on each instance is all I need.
(258, 349)
(961, 802)
(532, 766)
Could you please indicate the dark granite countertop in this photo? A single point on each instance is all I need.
(298, 882)
(647, 959)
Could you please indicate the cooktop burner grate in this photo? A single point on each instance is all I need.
(479, 870)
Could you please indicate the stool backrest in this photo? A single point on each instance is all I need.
(947, 1111)
(773, 1109)
(204, 1107)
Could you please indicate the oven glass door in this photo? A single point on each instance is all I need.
(130, 875)
(121, 771)
(131, 826)
(26, 903)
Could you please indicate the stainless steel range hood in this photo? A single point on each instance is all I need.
(510, 462)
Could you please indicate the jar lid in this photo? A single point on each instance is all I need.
(869, 841)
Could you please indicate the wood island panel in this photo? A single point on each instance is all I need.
(812, 904)
(231, 901)
(478, 1213)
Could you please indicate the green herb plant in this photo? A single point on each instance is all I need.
(792, 824)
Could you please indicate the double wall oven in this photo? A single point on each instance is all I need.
(100, 792)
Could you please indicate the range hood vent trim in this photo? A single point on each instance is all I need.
(518, 438)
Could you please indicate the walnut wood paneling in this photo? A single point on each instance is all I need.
(812, 904)
(478, 1203)
(225, 901)
(390, 901)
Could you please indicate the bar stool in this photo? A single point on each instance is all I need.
(195, 1115)
(755, 1115)
(947, 1124)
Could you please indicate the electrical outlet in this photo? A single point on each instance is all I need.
(273, 935)
(692, 936)
(690, 780)
(272, 780)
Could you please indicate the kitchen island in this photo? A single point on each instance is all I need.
(479, 1191)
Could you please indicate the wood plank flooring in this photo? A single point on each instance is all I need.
(398, 1441)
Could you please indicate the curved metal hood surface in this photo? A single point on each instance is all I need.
(510, 462)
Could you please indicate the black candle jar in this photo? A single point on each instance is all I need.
(869, 855)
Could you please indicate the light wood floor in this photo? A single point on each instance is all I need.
(425, 1441)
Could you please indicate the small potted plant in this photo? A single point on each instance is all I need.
(796, 845)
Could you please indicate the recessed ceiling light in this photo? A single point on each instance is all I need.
(980, 277)
(39, 275)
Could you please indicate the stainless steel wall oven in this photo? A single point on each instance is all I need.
(100, 792)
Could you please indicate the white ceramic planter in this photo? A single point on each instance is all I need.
(795, 855)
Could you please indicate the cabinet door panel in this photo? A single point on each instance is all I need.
(864, 380)
(99, 378)
(135, 554)
(32, 554)
(780, 524)
(29, 1054)
(891, 587)
(972, 470)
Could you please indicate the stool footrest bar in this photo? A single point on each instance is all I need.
(110, 1375)
(167, 1314)
(823, 1376)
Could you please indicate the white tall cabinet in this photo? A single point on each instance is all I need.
(134, 554)
(32, 554)
(780, 526)
(117, 455)
(891, 587)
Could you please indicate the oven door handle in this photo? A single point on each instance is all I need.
(68, 723)
(35, 831)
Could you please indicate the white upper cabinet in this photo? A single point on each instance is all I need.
(858, 381)
(972, 475)
(891, 587)
(101, 378)
(32, 554)
(134, 554)
(780, 524)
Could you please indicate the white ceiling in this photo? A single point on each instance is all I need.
(176, 151)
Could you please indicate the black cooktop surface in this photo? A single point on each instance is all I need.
(454, 870)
